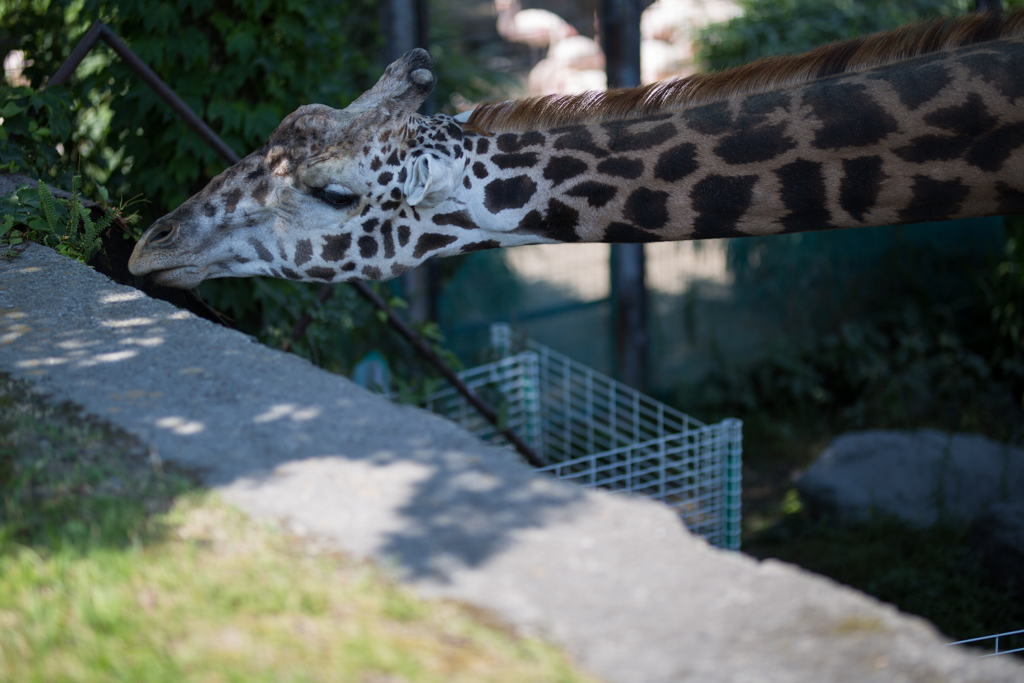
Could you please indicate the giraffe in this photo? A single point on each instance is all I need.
(922, 123)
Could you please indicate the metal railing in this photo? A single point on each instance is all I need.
(996, 637)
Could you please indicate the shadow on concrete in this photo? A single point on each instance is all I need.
(458, 518)
(267, 424)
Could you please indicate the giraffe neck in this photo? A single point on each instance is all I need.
(930, 138)
(855, 134)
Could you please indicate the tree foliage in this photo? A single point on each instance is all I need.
(773, 27)
(242, 67)
(34, 123)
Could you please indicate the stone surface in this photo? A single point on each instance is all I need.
(997, 535)
(921, 476)
(617, 580)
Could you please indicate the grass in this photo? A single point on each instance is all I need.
(932, 573)
(113, 567)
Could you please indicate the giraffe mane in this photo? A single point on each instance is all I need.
(768, 73)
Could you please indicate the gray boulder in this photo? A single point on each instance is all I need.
(921, 477)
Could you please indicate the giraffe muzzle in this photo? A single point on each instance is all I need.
(152, 251)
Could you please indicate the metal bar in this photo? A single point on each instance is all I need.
(100, 30)
(994, 6)
(1004, 652)
(980, 638)
(167, 95)
(620, 37)
(424, 350)
(77, 55)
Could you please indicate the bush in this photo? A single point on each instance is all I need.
(241, 66)
(36, 124)
(65, 225)
(1004, 295)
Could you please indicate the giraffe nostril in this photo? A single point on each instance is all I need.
(163, 234)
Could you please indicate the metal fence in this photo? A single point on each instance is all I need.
(593, 431)
(1015, 637)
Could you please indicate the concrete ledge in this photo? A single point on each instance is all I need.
(617, 580)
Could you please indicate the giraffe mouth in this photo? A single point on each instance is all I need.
(164, 269)
(180, 277)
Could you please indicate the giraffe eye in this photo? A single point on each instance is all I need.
(336, 196)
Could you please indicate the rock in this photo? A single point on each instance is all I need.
(920, 477)
(997, 535)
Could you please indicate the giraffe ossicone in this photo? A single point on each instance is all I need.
(919, 124)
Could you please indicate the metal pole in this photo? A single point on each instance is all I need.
(992, 6)
(77, 55)
(620, 38)
(629, 305)
(100, 30)
(429, 108)
(405, 26)
(424, 350)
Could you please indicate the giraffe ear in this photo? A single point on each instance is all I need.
(431, 180)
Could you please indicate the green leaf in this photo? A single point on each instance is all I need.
(10, 109)
(39, 224)
(241, 43)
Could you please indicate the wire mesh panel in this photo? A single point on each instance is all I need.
(591, 430)
(510, 385)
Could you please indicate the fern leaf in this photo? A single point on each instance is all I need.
(89, 250)
(86, 214)
(104, 222)
(49, 208)
(75, 209)
(92, 240)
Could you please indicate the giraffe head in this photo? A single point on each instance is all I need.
(334, 195)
